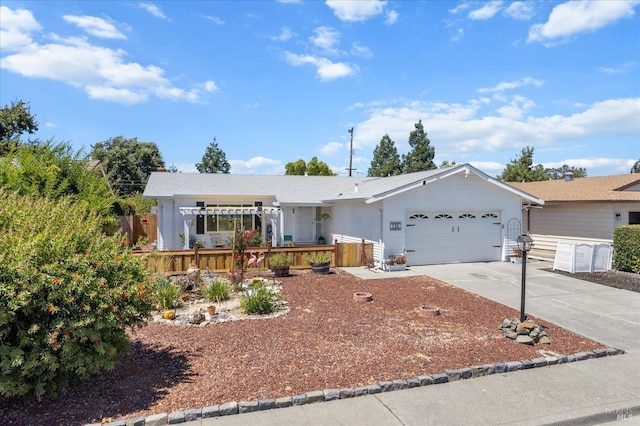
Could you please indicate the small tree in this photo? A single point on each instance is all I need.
(559, 172)
(386, 160)
(421, 155)
(636, 167)
(521, 169)
(214, 160)
(14, 121)
(296, 168)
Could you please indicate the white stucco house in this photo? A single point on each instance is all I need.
(450, 215)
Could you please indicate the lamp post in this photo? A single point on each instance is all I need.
(524, 244)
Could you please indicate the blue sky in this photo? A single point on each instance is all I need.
(276, 81)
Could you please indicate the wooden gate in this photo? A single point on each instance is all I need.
(140, 225)
(353, 254)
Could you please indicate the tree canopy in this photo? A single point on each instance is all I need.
(214, 160)
(386, 161)
(636, 167)
(521, 169)
(127, 162)
(313, 168)
(421, 155)
(559, 172)
(14, 121)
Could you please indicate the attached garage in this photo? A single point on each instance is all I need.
(434, 237)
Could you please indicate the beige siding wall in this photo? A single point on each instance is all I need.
(582, 220)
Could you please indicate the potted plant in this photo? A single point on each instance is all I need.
(320, 263)
(279, 264)
(396, 262)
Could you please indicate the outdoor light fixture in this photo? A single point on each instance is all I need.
(524, 244)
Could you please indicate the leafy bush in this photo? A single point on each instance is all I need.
(626, 243)
(164, 292)
(68, 294)
(280, 260)
(260, 300)
(319, 258)
(217, 290)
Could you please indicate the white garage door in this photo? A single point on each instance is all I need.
(434, 237)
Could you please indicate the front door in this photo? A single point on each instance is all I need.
(305, 225)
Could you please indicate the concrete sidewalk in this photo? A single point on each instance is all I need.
(593, 391)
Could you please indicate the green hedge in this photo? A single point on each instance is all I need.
(68, 292)
(626, 243)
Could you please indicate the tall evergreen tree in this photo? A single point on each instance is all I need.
(559, 172)
(214, 160)
(420, 157)
(386, 160)
(636, 167)
(521, 169)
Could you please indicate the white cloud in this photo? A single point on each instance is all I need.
(622, 69)
(487, 11)
(460, 8)
(325, 69)
(457, 35)
(256, 165)
(464, 128)
(356, 10)
(153, 10)
(50, 125)
(214, 19)
(325, 38)
(332, 148)
(392, 17)
(358, 50)
(619, 165)
(285, 34)
(101, 72)
(521, 10)
(16, 27)
(95, 26)
(575, 17)
(510, 85)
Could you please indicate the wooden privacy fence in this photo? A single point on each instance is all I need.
(221, 260)
(139, 225)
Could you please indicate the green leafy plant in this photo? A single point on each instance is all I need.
(396, 259)
(260, 300)
(217, 290)
(69, 292)
(319, 258)
(164, 293)
(280, 260)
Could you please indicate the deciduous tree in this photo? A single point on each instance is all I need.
(559, 172)
(14, 121)
(636, 167)
(313, 168)
(521, 169)
(386, 160)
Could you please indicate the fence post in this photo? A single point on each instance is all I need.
(336, 254)
(363, 255)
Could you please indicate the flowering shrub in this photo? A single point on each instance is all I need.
(68, 294)
(396, 259)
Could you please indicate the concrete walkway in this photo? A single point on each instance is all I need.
(593, 391)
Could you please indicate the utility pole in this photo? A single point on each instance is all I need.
(351, 152)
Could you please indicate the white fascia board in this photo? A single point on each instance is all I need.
(417, 184)
(509, 188)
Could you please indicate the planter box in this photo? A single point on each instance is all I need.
(321, 268)
(393, 268)
(280, 271)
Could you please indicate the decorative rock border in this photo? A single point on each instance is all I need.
(231, 408)
(429, 311)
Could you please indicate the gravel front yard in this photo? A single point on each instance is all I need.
(327, 340)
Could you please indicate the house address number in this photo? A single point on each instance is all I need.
(395, 226)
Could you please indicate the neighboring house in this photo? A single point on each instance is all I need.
(455, 214)
(581, 209)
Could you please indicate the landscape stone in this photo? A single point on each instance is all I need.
(228, 409)
(373, 389)
(192, 414)
(362, 391)
(521, 331)
(315, 396)
(562, 359)
(489, 369)
(159, 419)
(136, 421)
(478, 371)
(540, 362)
(551, 360)
(514, 365)
(413, 383)
(466, 373)
(266, 404)
(425, 380)
(284, 402)
(527, 364)
(386, 386)
(453, 375)
(399, 384)
(247, 406)
(525, 340)
(347, 393)
(212, 411)
(511, 334)
(331, 394)
(506, 323)
(544, 340)
(176, 417)
(440, 378)
(571, 358)
(298, 400)
(500, 367)
(581, 356)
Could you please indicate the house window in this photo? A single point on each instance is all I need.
(634, 218)
(418, 216)
(489, 216)
(443, 216)
(467, 216)
(224, 222)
